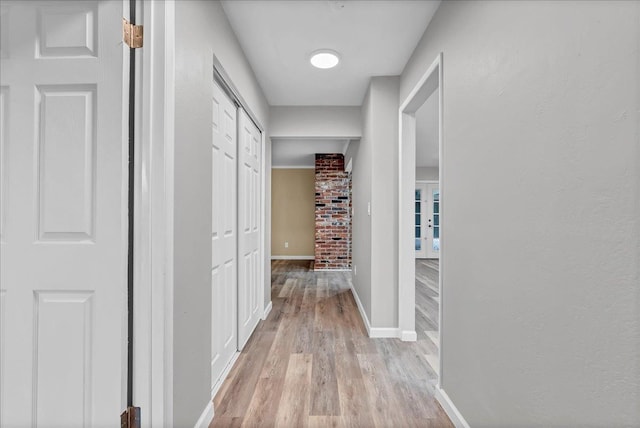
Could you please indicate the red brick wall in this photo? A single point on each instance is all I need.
(333, 219)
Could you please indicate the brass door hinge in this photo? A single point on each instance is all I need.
(130, 418)
(131, 34)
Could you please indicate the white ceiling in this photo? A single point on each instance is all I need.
(300, 153)
(374, 38)
(427, 132)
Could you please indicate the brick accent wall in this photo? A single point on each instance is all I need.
(333, 213)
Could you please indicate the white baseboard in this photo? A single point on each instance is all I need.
(332, 270)
(450, 409)
(373, 332)
(223, 376)
(363, 314)
(408, 336)
(384, 332)
(206, 417)
(267, 310)
(293, 257)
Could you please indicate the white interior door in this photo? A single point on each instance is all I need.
(249, 201)
(432, 204)
(63, 214)
(224, 238)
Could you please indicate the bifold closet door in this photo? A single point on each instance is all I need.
(63, 208)
(224, 237)
(249, 229)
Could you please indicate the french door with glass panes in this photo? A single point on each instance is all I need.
(427, 221)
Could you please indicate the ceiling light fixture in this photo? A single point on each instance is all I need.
(324, 58)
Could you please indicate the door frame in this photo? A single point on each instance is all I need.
(154, 201)
(430, 80)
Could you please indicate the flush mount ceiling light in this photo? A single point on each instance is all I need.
(324, 58)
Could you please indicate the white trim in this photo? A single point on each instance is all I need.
(384, 332)
(263, 221)
(408, 336)
(450, 409)
(293, 167)
(267, 310)
(441, 208)
(363, 314)
(293, 257)
(407, 180)
(208, 413)
(332, 270)
(153, 302)
(373, 332)
(206, 417)
(223, 376)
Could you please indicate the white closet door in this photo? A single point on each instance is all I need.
(224, 238)
(63, 213)
(249, 186)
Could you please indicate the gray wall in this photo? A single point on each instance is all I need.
(384, 200)
(542, 290)
(202, 30)
(375, 165)
(429, 173)
(361, 153)
(315, 122)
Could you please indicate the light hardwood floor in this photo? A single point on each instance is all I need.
(311, 364)
(427, 301)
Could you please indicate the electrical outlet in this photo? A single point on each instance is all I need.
(355, 270)
(368, 208)
(286, 244)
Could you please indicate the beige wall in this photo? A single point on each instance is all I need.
(292, 212)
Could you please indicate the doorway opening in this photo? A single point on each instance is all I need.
(420, 234)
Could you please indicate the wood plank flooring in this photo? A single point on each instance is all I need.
(312, 364)
(427, 300)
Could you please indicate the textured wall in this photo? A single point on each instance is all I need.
(541, 200)
(333, 220)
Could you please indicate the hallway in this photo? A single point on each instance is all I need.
(311, 364)
(427, 301)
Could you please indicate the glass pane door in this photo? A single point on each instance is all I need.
(418, 219)
(435, 244)
(431, 211)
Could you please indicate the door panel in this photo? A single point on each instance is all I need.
(62, 214)
(249, 282)
(224, 239)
